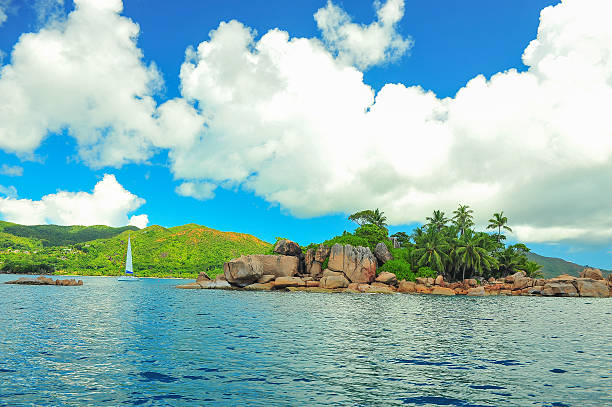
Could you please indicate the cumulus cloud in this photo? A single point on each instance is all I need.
(11, 170)
(315, 138)
(140, 221)
(108, 204)
(364, 45)
(84, 74)
(198, 190)
(292, 120)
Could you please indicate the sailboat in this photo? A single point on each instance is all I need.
(129, 271)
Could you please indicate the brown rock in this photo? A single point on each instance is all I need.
(217, 284)
(505, 292)
(380, 288)
(592, 288)
(406, 287)
(363, 287)
(189, 286)
(284, 282)
(382, 253)
(315, 270)
(439, 280)
(328, 272)
(470, 282)
(266, 278)
(357, 263)
(422, 289)
(535, 290)
(521, 282)
(312, 283)
(559, 289)
(247, 270)
(421, 280)
(322, 253)
(333, 282)
(287, 248)
(353, 286)
(561, 278)
(491, 280)
(443, 291)
(510, 278)
(387, 278)
(202, 277)
(430, 281)
(539, 282)
(592, 273)
(262, 286)
(476, 292)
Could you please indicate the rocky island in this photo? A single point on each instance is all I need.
(42, 280)
(344, 268)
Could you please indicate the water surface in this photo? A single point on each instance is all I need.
(149, 344)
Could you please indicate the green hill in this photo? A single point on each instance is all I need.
(181, 251)
(53, 235)
(553, 266)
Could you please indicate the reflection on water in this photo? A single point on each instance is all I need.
(147, 343)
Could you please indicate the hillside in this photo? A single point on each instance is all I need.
(553, 266)
(53, 235)
(181, 251)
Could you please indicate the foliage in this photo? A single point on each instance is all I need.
(532, 269)
(427, 272)
(347, 238)
(400, 268)
(182, 251)
(53, 235)
(370, 217)
(499, 222)
(463, 218)
(402, 237)
(437, 221)
(372, 234)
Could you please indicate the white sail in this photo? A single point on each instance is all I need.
(128, 259)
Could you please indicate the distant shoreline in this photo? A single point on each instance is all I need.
(89, 275)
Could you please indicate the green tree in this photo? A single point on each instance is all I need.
(431, 250)
(373, 217)
(499, 222)
(463, 218)
(472, 256)
(437, 221)
(402, 237)
(532, 269)
(372, 233)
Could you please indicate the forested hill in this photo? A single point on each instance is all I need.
(181, 251)
(53, 235)
(553, 266)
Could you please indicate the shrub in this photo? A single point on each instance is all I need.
(400, 268)
(347, 238)
(372, 234)
(427, 272)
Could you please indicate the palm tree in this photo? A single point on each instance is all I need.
(499, 222)
(463, 218)
(472, 255)
(379, 219)
(437, 220)
(431, 250)
(509, 261)
(532, 269)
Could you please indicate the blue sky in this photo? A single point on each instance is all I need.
(438, 46)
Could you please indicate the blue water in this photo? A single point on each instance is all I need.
(147, 343)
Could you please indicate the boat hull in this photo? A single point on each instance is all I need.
(127, 278)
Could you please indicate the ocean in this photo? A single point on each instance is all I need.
(149, 344)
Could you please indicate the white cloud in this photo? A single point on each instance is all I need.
(3, 16)
(84, 74)
(198, 190)
(364, 45)
(140, 221)
(10, 192)
(294, 122)
(11, 170)
(108, 204)
(315, 138)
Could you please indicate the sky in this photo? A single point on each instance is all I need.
(280, 118)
